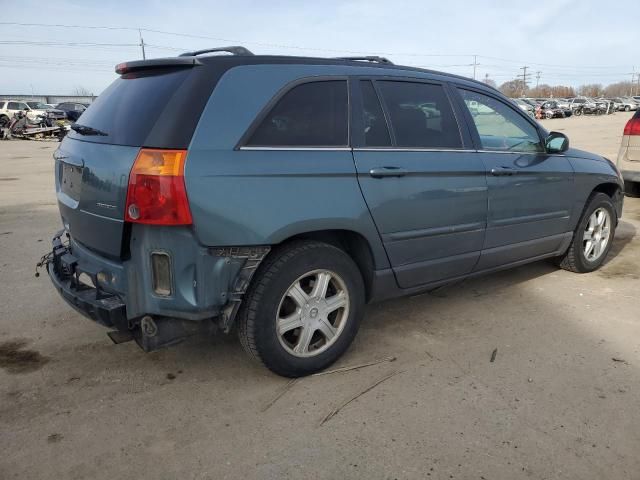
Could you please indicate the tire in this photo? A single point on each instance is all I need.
(627, 108)
(578, 112)
(4, 121)
(297, 267)
(548, 115)
(632, 189)
(576, 259)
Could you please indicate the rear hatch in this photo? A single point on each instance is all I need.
(155, 107)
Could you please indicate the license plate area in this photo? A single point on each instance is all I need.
(71, 180)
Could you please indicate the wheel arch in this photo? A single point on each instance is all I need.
(613, 191)
(352, 243)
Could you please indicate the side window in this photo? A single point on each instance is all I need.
(499, 126)
(313, 114)
(13, 106)
(376, 133)
(421, 115)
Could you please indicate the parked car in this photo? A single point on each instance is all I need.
(285, 210)
(524, 106)
(562, 103)
(628, 104)
(73, 110)
(629, 156)
(53, 113)
(552, 109)
(11, 107)
(617, 104)
(582, 105)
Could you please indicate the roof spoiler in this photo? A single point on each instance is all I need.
(137, 65)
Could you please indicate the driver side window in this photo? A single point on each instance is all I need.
(499, 126)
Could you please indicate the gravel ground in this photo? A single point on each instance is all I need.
(559, 401)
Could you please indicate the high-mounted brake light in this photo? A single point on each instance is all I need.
(632, 127)
(157, 194)
(121, 68)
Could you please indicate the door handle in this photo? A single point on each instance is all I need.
(381, 172)
(502, 171)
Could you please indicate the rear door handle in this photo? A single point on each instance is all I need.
(381, 172)
(502, 171)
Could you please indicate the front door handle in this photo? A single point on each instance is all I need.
(381, 172)
(502, 171)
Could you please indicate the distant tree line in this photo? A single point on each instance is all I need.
(517, 88)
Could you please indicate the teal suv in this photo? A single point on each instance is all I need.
(275, 196)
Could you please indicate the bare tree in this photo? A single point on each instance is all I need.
(81, 91)
(591, 90)
(514, 88)
(618, 89)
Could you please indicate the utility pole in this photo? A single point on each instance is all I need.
(475, 64)
(537, 78)
(144, 56)
(524, 79)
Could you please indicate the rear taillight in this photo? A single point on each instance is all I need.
(632, 127)
(157, 193)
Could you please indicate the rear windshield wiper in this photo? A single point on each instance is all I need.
(84, 130)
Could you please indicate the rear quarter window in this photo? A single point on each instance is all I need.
(314, 114)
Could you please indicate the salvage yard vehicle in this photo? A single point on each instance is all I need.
(629, 156)
(43, 108)
(277, 195)
(73, 110)
(552, 109)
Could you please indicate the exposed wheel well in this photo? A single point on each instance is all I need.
(610, 189)
(352, 243)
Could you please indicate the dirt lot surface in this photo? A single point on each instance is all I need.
(561, 400)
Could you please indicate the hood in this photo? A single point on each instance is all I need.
(574, 152)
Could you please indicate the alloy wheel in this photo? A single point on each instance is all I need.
(596, 235)
(313, 313)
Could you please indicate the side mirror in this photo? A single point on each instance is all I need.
(556, 142)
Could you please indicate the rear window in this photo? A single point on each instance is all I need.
(129, 108)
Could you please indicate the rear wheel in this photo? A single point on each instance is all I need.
(548, 115)
(593, 237)
(4, 121)
(303, 309)
(627, 108)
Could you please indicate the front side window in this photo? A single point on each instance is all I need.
(313, 114)
(421, 115)
(499, 126)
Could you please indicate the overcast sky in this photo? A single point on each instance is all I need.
(570, 42)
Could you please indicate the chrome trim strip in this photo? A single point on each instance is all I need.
(557, 215)
(299, 149)
(431, 232)
(408, 149)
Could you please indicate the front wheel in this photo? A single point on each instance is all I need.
(303, 309)
(593, 237)
(627, 108)
(548, 115)
(578, 112)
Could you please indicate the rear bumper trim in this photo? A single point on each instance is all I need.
(104, 308)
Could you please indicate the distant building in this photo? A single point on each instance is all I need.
(52, 99)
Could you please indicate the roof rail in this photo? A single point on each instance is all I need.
(235, 50)
(370, 58)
